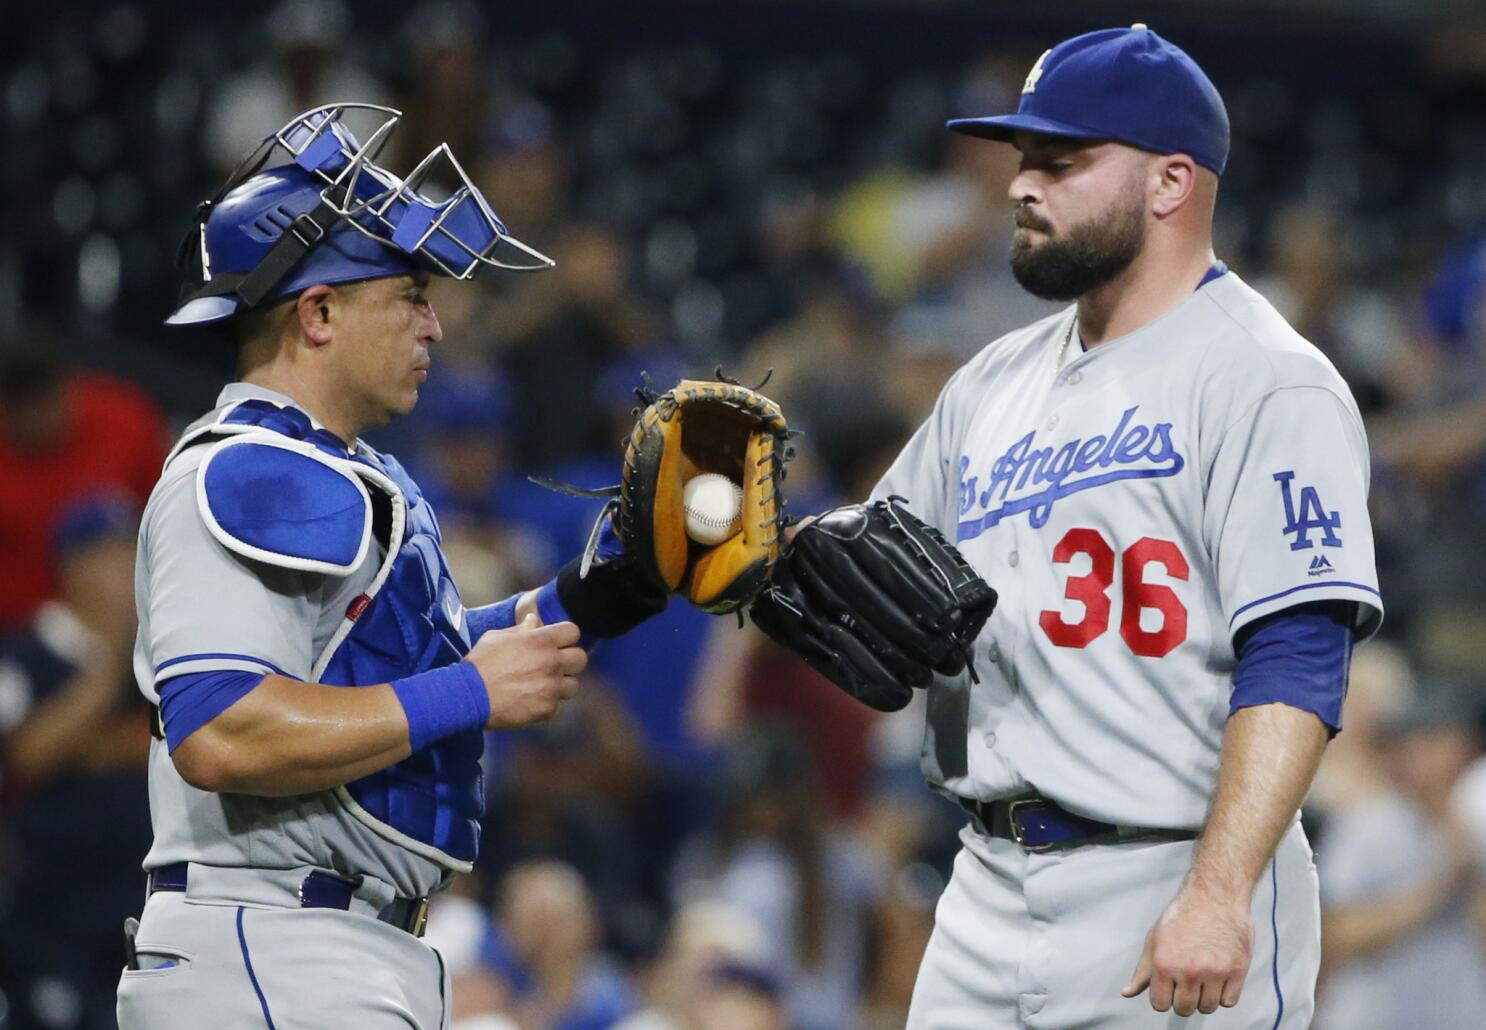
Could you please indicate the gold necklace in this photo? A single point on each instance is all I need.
(1062, 350)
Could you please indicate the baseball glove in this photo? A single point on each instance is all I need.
(694, 428)
(877, 601)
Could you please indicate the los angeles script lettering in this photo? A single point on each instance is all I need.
(1131, 451)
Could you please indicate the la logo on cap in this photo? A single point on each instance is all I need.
(1030, 86)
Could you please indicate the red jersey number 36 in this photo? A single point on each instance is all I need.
(1092, 590)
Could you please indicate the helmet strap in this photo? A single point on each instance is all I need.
(298, 240)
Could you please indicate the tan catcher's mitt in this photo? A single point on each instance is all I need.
(695, 428)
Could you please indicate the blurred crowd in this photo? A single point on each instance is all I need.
(711, 836)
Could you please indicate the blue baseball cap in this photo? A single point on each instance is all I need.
(1121, 84)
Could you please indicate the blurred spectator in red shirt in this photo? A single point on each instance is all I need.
(63, 433)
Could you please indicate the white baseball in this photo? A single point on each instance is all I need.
(713, 503)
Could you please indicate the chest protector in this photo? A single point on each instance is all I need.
(277, 489)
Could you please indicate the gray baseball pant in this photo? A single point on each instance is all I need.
(1046, 941)
(218, 964)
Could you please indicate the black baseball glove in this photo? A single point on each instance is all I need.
(875, 600)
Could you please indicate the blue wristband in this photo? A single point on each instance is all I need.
(493, 616)
(551, 610)
(549, 605)
(442, 702)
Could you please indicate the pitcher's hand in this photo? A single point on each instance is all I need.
(1197, 955)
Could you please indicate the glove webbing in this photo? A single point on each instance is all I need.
(963, 645)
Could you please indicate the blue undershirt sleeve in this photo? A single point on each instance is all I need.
(501, 615)
(1300, 656)
(193, 699)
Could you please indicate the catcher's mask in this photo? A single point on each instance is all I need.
(330, 214)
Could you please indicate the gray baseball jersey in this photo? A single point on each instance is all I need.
(1135, 508)
(203, 607)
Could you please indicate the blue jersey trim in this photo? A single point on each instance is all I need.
(1297, 656)
(1305, 586)
(248, 963)
(221, 654)
(1217, 271)
(1274, 926)
(191, 700)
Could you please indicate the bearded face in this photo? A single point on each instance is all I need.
(1065, 264)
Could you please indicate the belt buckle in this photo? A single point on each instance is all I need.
(419, 922)
(1013, 817)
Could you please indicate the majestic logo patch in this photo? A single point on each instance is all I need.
(1031, 480)
(1312, 515)
(1320, 566)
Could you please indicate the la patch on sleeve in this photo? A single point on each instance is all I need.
(1310, 516)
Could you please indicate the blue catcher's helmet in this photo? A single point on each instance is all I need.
(331, 215)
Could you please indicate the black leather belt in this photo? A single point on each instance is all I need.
(1038, 824)
(318, 890)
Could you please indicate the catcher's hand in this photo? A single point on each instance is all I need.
(875, 600)
(694, 428)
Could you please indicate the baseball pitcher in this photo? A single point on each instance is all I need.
(1167, 486)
